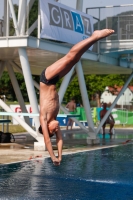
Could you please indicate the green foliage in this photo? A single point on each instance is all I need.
(33, 17)
(94, 84)
(6, 87)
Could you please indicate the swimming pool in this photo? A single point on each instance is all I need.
(93, 175)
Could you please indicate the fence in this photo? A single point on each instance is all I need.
(118, 18)
(121, 115)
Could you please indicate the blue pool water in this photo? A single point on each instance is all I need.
(92, 175)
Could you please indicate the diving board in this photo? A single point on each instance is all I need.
(61, 118)
(35, 114)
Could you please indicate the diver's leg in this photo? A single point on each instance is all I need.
(64, 65)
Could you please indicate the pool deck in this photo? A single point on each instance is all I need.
(74, 141)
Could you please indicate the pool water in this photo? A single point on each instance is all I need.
(92, 175)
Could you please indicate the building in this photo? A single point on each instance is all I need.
(110, 93)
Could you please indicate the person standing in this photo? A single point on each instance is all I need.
(110, 120)
(71, 106)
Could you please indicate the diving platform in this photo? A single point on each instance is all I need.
(42, 53)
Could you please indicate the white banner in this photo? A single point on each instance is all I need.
(63, 23)
(17, 109)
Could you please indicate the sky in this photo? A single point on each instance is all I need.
(96, 3)
(86, 3)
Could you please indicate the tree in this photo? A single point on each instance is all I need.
(6, 87)
(33, 16)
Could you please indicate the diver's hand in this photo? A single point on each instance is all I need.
(60, 158)
(56, 161)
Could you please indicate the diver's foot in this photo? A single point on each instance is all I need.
(56, 161)
(99, 34)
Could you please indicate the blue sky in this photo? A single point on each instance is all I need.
(86, 3)
(96, 3)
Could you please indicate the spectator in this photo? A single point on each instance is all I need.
(71, 106)
(79, 104)
(110, 120)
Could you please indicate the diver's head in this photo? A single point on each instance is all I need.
(53, 127)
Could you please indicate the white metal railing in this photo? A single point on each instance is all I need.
(1, 27)
(13, 25)
(119, 18)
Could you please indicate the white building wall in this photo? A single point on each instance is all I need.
(125, 99)
(106, 97)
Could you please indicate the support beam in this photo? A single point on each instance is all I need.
(79, 5)
(29, 83)
(2, 66)
(7, 20)
(5, 17)
(29, 6)
(17, 91)
(20, 71)
(14, 17)
(114, 103)
(39, 21)
(22, 16)
(32, 28)
(65, 84)
(21, 122)
(85, 99)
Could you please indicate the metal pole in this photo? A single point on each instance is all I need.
(64, 85)
(39, 20)
(17, 91)
(22, 16)
(20, 71)
(83, 89)
(29, 6)
(118, 28)
(21, 122)
(5, 17)
(7, 24)
(79, 5)
(114, 103)
(14, 17)
(85, 99)
(29, 83)
(2, 66)
(98, 42)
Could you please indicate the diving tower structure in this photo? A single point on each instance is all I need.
(28, 55)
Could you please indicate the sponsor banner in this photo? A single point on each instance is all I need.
(17, 109)
(63, 23)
